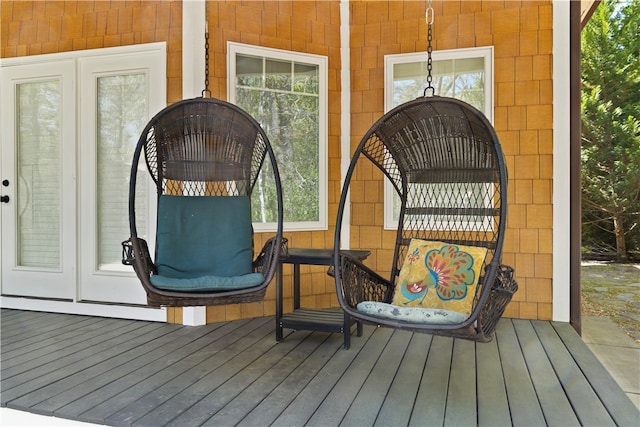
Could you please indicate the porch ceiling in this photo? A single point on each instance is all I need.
(587, 7)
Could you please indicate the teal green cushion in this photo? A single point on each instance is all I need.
(411, 314)
(204, 236)
(207, 283)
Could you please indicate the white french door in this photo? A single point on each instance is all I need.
(70, 123)
(38, 175)
(115, 106)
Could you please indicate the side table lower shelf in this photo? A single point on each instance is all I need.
(321, 320)
(312, 319)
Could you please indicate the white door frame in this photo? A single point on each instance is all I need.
(37, 281)
(74, 305)
(561, 159)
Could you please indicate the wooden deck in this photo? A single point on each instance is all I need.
(123, 372)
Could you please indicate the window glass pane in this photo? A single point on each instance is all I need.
(305, 78)
(122, 113)
(442, 68)
(278, 75)
(290, 116)
(457, 78)
(461, 78)
(291, 123)
(409, 81)
(469, 87)
(248, 71)
(38, 192)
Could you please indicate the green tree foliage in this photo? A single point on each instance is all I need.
(611, 128)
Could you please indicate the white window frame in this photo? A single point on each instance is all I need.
(485, 52)
(322, 62)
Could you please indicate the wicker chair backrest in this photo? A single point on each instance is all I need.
(204, 147)
(446, 166)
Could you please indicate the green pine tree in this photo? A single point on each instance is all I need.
(611, 128)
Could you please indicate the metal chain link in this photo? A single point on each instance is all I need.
(206, 50)
(428, 16)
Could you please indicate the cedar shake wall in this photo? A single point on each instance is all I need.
(521, 33)
(39, 27)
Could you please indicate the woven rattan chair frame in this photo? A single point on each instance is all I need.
(445, 163)
(202, 147)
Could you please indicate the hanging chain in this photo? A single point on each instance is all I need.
(206, 50)
(428, 16)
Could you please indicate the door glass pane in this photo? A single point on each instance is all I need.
(38, 187)
(122, 114)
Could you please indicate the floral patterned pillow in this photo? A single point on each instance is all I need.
(439, 275)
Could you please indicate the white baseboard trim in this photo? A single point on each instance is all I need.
(87, 309)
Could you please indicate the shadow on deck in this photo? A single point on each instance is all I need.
(124, 372)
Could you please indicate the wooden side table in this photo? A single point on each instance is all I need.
(312, 319)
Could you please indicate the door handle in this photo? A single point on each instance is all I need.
(5, 199)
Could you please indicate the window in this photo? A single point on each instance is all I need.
(286, 93)
(466, 74)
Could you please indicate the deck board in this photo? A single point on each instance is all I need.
(106, 372)
(588, 408)
(256, 390)
(52, 333)
(216, 390)
(307, 401)
(336, 404)
(549, 389)
(14, 326)
(270, 408)
(461, 397)
(61, 363)
(493, 404)
(184, 390)
(523, 402)
(397, 407)
(124, 372)
(431, 400)
(61, 343)
(115, 397)
(622, 411)
(367, 403)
